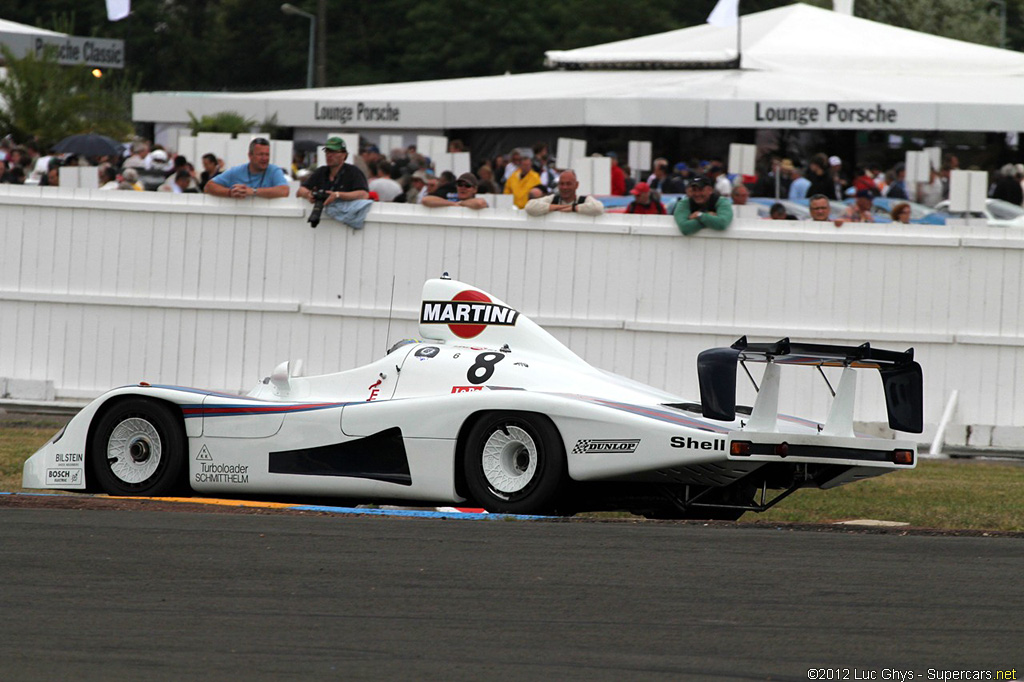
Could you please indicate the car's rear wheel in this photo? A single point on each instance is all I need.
(514, 463)
(138, 448)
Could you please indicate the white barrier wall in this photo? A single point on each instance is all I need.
(99, 289)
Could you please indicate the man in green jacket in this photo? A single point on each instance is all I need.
(702, 207)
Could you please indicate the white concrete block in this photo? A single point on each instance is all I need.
(979, 436)
(28, 389)
(1007, 437)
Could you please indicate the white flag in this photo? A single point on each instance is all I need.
(725, 13)
(118, 9)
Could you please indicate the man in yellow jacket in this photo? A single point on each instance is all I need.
(521, 182)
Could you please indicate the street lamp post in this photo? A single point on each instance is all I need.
(288, 8)
(1001, 4)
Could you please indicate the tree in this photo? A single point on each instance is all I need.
(250, 45)
(47, 101)
(973, 21)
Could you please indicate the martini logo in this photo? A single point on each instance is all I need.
(467, 314)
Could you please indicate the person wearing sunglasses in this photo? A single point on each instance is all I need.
(465, 195)
(342, 181)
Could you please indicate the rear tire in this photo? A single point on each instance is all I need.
(514, 463)
(138, 448)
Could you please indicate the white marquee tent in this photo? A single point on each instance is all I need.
(802, 68)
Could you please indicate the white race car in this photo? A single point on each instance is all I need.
(490, 408)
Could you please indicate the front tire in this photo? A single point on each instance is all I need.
(514, 463)
(138, 448)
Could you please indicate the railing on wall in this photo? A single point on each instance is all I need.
(99, 289)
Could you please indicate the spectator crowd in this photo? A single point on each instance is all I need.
(699, 193)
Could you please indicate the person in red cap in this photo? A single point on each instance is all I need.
(644, 203)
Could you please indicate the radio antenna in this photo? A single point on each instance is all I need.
(391, 309)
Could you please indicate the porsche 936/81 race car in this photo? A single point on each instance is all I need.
(489, 407)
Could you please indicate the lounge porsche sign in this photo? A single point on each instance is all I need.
(822, 115)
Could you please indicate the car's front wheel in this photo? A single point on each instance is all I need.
(514, 463)
(138, 448)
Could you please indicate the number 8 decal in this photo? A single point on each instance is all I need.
(483, 368)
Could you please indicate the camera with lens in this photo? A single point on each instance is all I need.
(319, 197)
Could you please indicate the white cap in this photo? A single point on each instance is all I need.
(835, 161)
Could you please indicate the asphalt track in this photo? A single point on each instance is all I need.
(133, 595)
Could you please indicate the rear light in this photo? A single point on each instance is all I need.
(782, 449)
(740, 448)
(903, 456)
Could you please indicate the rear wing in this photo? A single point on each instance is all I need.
(901, 381)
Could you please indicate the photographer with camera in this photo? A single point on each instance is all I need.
(258, 178)
(337, 181)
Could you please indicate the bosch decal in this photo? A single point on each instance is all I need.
(466, 389)
(697, 444)
(589, 446)
(63, 476)
(468, 313)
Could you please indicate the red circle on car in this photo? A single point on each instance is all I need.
(468, 331)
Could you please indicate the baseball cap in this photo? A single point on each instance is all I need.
(468, 178)
(835, 161)
(640, 188)
(420, 175)
(701, 181)
(335, 144)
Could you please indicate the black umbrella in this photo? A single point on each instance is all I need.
(88, 144)
(306, 145)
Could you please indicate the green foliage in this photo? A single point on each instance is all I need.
(271, 129)
(240, 45)
(42, 99)
(975, 21)
(221, 122)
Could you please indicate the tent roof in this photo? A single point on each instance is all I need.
(803, 68)
(14, 27)
(800, 38)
